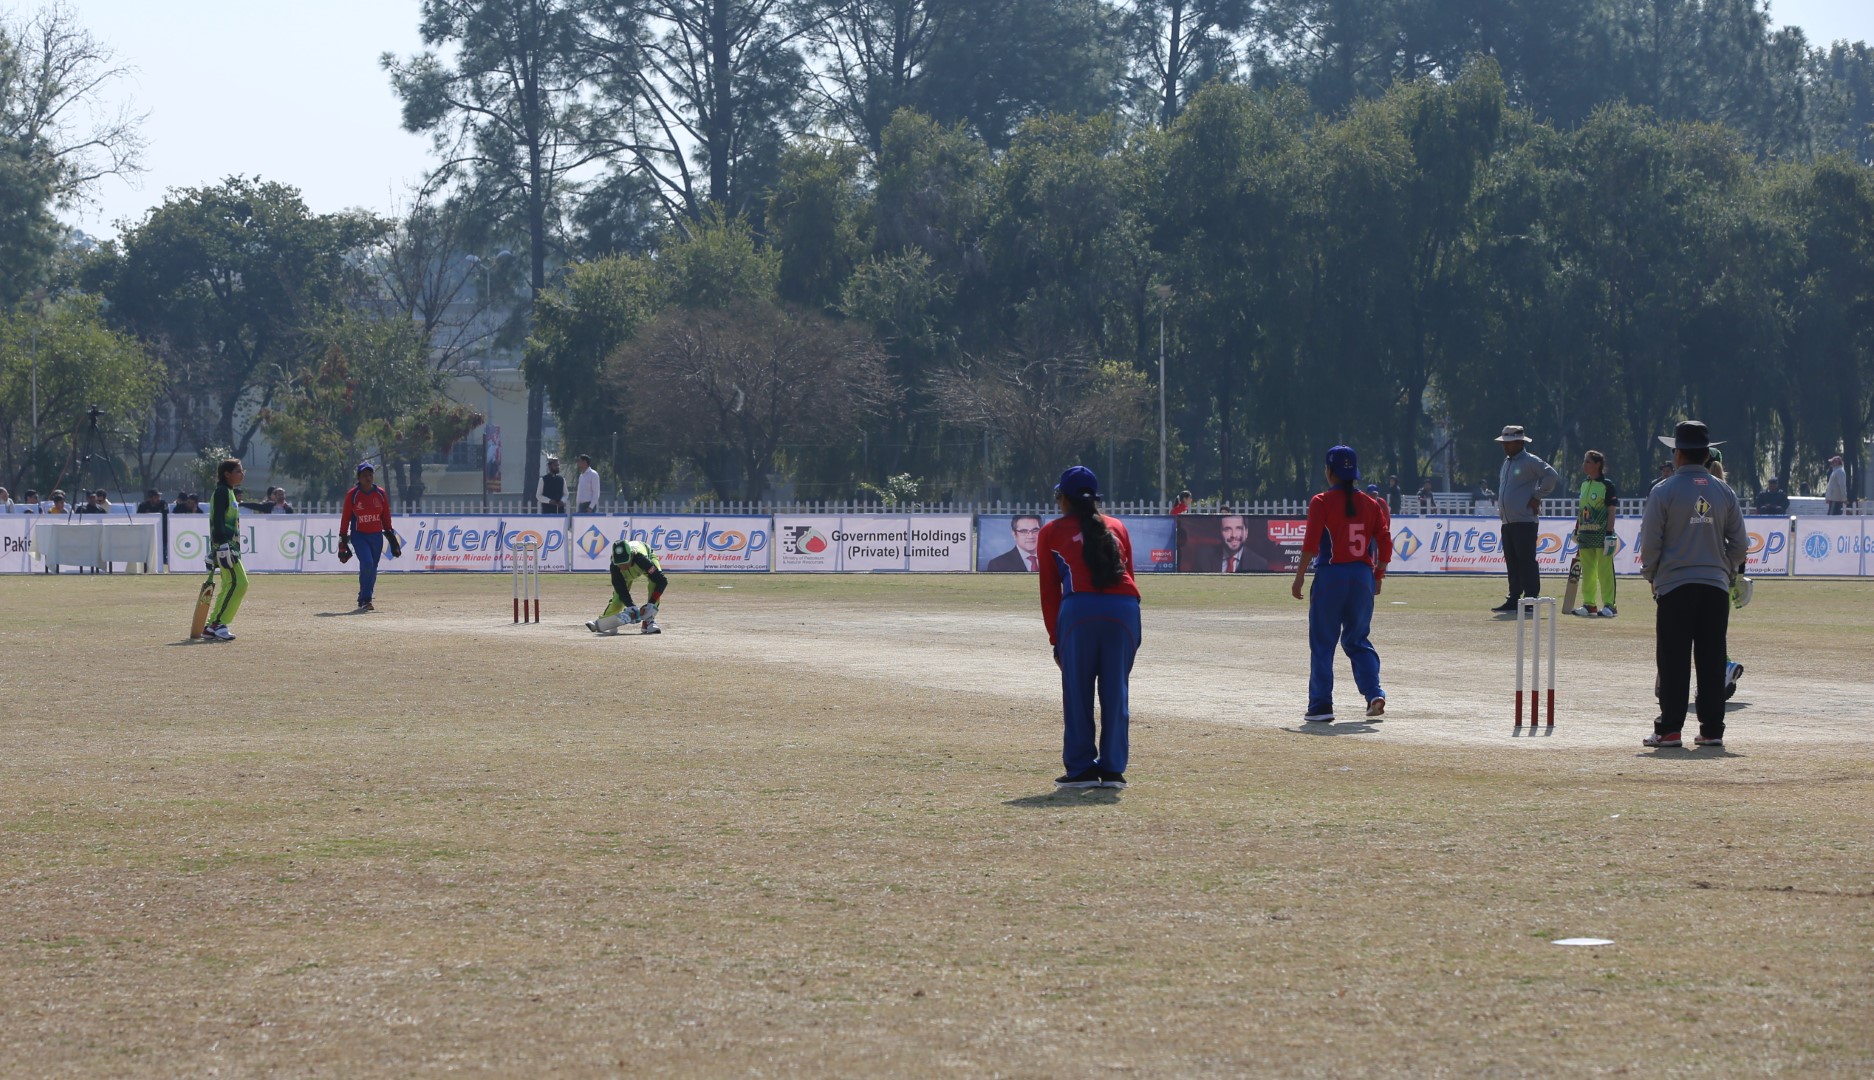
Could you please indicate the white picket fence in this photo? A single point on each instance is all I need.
(1444, 505)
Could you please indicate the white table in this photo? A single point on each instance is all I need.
(96, 544)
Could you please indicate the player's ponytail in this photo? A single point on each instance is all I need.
(1099, 547)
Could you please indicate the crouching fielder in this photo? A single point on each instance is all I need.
(1091, 607)
(631, 560)
(1349, 541)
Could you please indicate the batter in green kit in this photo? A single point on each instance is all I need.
(1594, 537)
(632, 560)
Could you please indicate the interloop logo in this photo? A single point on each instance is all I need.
(592, 542)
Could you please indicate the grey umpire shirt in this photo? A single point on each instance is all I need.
(1692, 533)
(1524, 477)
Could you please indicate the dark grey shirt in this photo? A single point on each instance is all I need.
(1692, 532)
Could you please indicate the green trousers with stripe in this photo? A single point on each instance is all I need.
(233, 589)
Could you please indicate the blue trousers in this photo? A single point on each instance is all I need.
(1340, 608)
(369, 547)
(1099, 636)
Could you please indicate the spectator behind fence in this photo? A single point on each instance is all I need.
(1425, 498)
(1836, 491)
(588, 494)
(152, 502)
(93, 505)
(29, 503)
(187, 503)
(6, 501)
(551, 493)
(1773, 499)
(56, 505)
(276, 502)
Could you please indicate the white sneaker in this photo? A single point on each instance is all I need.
(651, 628)
(221, 633)
(1582, 611)
(1607, 613)
(593, 626)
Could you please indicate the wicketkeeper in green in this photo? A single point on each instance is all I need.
(631, 560)
(1594, 537)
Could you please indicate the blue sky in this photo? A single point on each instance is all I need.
(292, 92)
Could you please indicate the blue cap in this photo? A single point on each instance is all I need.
(365, 466)
(1079, 482)
(1344, 462)
(1372, 489)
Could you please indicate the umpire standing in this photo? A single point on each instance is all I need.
(1521, 486)
(1692, 540)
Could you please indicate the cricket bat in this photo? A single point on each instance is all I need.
(1574, 584)
(203, 601)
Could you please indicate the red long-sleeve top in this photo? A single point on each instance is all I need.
(1365, 537)
(1064, 570)
(365, 512)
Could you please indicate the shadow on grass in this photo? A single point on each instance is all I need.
(339, 614)
(190, 641)
(1359, 728)
(1688, 752)
(1076, 797)
(1531, 731)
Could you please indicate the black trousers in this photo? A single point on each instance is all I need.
(1519, 558)
(1689, 633)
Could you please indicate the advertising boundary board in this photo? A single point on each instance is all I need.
(1466, 545)
(1833, 547)
(1152, 550)
(873, 543)
(302, 543)
(707, 543)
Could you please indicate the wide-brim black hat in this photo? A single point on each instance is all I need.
(1690, 435)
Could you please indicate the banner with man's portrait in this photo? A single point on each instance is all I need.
(1238, 544)
(1006, 543)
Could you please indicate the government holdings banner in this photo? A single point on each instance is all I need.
(858, 543)
(1006, 543)
(687, 542)
(1238, 544)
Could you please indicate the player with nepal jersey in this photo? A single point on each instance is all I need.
(365, 526)
(1091, 607)
(1349, 541)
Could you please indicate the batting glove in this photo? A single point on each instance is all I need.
(225, 556)
(1611, 545)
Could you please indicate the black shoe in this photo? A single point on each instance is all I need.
(1507, 607)
(1112, 779)
(1086, 778)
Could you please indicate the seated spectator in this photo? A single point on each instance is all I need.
(187, 503)
(104, 500)
(152, 502)
(276, 501)
(29, 503)
(93, 504)
(1773, 499)
(56, 505)
(6, 501)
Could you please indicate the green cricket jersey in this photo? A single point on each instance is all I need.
(1594, 514)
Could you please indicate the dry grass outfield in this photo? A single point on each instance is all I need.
(809, 831)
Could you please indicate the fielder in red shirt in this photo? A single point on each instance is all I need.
(1091, 607)
(364, 526)
(1349, 542)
